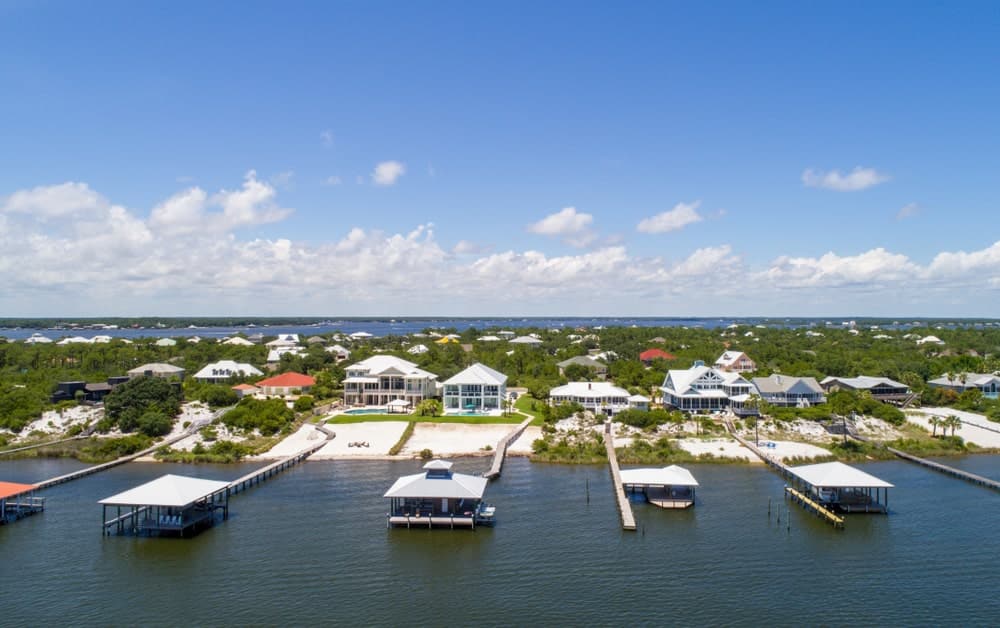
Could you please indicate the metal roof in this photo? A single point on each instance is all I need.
(667, 476)
(10, 489)
(478, 374)
(424, 485)
(170, 490)
(837, 475)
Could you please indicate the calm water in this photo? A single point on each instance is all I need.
(310, 546)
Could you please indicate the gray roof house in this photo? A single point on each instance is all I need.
(600, 368)
(785, 390)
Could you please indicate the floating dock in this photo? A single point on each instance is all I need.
(501, 451)
(624, 507)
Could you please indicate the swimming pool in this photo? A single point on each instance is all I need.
(365, 411)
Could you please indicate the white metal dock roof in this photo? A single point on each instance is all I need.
(667, 476)
(169, 490)
(457, 486)
(838, 475)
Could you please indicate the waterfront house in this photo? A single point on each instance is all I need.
(286, 384)
(986, 383)
(602, 397)
(735, 362)
(638, 402)
(647, 356)
(785, 390)
(157, 369)
(384, 378)
(705, 389)
(439, 497)
(880, 388)
(477, 388)
(600, 368)
(225, 370)
(37, 339)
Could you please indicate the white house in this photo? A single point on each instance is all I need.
(284, 340)
(341, 353)
(987, 383)
(703, 388)
(934, 340)
(223, 370)
(526, 340)
(237, 340)
(881, 388)
(156, 369)
(275, 353)
(602, 397)
(418, 350)
(384, 378)
(37, 339)
(166, 342)
(785, 390)
(477, 388)
(735, 361)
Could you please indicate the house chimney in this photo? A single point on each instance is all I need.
(589, 386)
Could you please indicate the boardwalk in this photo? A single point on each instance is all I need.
(774, 463)
(941, 468)
(624, 507)
(502, 446)
(46, 444)
(259, 475)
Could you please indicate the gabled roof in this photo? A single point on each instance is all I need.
(438, 482)
(683, 380)
(787, 384)
(10, 489)
(586, 390)
(525, 340)
(971, 379)
(156, 367)
(583, 360)
(237, 340)
(837, 475)
(247, 387)
(175, 491)
(728, 358)
(656, 354)
(378, 364)
(478, 374)
(288, 380)
(863, 382)
(667, 476)
(224, 369)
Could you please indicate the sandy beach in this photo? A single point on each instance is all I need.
(730, 448)
(970, 431)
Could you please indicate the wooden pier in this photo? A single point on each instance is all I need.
(46, 444)
(775, 464)
(259, 475)
(501, 451)
(813, 507)
(952, 471)
(624, 507)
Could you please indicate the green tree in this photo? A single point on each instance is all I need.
(429, 407)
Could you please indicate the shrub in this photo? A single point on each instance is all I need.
(303, 404)
(129, 402)
(429, 407)
(268, 416)
(426, 454)
(154, 423)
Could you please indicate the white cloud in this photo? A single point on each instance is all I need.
(570, 225)
(54, 201)
(332, 180)
(682, 215)
(388, 172)
(283, 179)
(908, 210)
(857, 179)
(465, 247)
(871, 269)
(326, 138)
(978, 264)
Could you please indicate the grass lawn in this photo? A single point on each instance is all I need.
(527, 404)
(410, 418)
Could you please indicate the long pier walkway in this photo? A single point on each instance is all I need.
(259, 475)
(774, 463)
(46, 444)
(502, 446)
(624, 507)
(75, 475)
(952, 471)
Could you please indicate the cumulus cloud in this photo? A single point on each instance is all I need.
(332, 180)
(682, 215)
(858, 179)
(326, 138)
(388, 172)
(570, 225)
(908, 210)
(188, 254)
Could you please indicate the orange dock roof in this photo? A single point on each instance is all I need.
(10, 489)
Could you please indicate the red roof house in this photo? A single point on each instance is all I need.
(647, 356)
(285, 383)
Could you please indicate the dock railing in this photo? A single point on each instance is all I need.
(501, 450)
(624, 507)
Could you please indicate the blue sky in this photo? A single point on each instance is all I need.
(814, 160)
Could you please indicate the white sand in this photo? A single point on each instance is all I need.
(305, 436)
(56, 422)
(970, 430)
(456, 439)
(380, 436)
(730, 448)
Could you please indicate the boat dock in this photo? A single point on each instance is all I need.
(501, 451)
(259, 475)
(813, 507)
(952, 471)
(624, 507)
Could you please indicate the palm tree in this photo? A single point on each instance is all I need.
(955, 423)
(934, 421)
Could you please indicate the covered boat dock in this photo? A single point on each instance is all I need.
(171, 505)
(669, 487)
(439, 497)
(18, 501)
(837, 486)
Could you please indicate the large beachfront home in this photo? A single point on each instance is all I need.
(600, 368)
(477, 388)
(986, 383)
(735, 362)
(287, 384)
(384, 378)
(881, 388)
(225, 370)
(602, 397)
(703, 388)
(157, 369)
(785, 390)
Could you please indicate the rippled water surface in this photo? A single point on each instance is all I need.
(311, 546)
